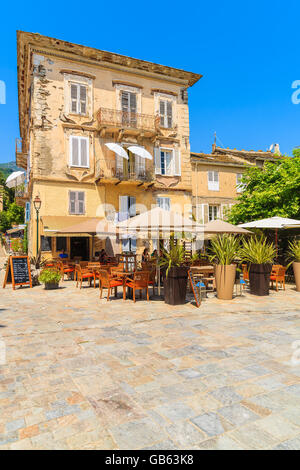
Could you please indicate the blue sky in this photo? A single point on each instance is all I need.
(248, 53)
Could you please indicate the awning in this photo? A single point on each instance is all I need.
(118, 149)
(272, 223)
(53, 225)
(19, 228)
(140, 151)
(220, 226)
(15, 179)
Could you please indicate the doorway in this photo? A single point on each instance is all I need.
(79, 248)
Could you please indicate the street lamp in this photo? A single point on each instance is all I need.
(37, 205)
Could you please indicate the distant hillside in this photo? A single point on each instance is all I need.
(8, 168)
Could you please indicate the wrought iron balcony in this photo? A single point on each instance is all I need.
(126, 120)
(108, 170)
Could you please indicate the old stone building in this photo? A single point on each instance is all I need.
(216, 179)
(103, 135)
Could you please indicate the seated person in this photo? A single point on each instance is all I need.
(154, 254)
(63, 255)
(103, 256)
(145, 255)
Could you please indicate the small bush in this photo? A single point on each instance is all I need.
(50, 276)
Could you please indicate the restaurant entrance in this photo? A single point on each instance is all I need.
(79, 248)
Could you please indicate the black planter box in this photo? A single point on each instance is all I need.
(259, 278)
(175, 286)
(51, 285)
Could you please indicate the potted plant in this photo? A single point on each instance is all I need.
(51, 278)
(259, 254)
(175, 281)
(294, 255)
(223, 251)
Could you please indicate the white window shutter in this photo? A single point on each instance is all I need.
(169, 114)
(74, 98)
(157, 161)
(132, 206)
(177, 162)
(82, 99)
(72, 202)
(84, 152)
(123, 208)
(74, 151)
(80, 202)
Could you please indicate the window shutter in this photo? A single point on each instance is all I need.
(73, 98)
(169, 113)
(132, 105)
(140, 165)
(157, 161)
(210, 176)
(82, 99)
(125, 101)
(80, 202)
(133, 245)
(27, 212)
(177, 162)
(132, 206)
(162, 112)
(72, 202)
(74, 151)
(123, 208)
(84, 152)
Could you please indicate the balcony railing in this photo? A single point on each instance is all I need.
(109, 170)
(21, 156)
(124, 119)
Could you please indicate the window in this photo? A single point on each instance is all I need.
(61, 244)
(27, 212)
(166, 162)
(163, 203)
(165, 112)
(76, 202)
(78, 98)
(79, 151)
(128, 104)
(239, 184)
(213, 180)
(213, 212)
(127, 207)
(46, 243)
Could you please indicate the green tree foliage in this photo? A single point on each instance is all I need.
(271, 191)
(12, 213)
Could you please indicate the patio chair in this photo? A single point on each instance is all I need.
(139, 282)
(108, 281)
(65, 269)
(278, 276)
(151, 268)
(118, 268)
(245, 272)
(83, 274)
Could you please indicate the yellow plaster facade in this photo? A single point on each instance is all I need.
(72, 101)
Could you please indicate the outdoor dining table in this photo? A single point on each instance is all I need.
(124, 275)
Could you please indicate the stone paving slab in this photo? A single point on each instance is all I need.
(84, 373)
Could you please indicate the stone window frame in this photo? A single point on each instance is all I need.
(72, 78)
(158, 96)
(119, 87)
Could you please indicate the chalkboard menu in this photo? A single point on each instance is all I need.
(194, 289)
(18, 271)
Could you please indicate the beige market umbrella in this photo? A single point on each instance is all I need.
(159, 224)
(220, 226)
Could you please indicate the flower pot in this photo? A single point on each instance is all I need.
(51, 285)
(225, 279)
(259, 278)
(296, 267)
(175, 286)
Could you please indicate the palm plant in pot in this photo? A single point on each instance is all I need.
(223, 252)
(259, 254)
(175, 281)
(294, 255)
(51, 278)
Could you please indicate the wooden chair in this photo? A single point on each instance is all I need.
(108, 281)
(278, 275)
(118, 268)
(65, 269)
(139, 282)
(245, 272)
(82, 274)
(151, 268)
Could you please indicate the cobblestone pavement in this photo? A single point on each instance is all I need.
(84, 373)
